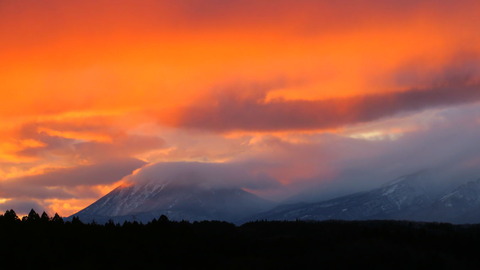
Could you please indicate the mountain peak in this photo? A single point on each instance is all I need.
(179, 201)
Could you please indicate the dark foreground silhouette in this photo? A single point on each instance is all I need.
(38, 241)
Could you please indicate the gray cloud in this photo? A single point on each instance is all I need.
(324, 165)
(225, 175)
(446, 147)
(23, 207)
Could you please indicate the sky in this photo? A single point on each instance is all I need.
(308, 97)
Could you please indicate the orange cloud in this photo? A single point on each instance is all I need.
(81, 80)
(230, 113)
(158, 55)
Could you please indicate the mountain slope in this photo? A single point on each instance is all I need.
(405, 196)
(143, 202)
(411, 197)
(461, 205)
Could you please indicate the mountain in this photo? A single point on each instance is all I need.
(415, 197)
(410, 197)
(462, 205)
(146, 201)
(404, 196)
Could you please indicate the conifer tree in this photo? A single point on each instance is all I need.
(76, 221)
(11, 216)
(163, 219)
(44, 217)
(57, 219)
(33, 216)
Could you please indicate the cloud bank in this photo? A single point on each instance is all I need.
(209, 175)
(231, 113)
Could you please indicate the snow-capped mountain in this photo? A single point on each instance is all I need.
(410, 197)
(146, 201)
(403, 197)
(462, 205)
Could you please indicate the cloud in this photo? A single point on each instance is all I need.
(64, 17)
(254, 114)
(23, 207)
(125, 146)
(324, 165)
(61, 183)
(81, 140)
(83, 78)
(214, 175)
(19, 191)
(278, 166)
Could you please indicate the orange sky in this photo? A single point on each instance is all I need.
(85, 82)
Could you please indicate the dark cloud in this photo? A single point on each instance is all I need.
(61, 183)
(22, 207)
(230, 113)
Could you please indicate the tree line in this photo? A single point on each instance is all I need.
(11, 216)
(38, 240)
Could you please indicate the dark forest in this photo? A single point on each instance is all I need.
(41, 241)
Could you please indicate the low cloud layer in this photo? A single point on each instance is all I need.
(317, 166)
(443, 142)
(212, 175)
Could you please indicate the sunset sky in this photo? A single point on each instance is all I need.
(326, 96)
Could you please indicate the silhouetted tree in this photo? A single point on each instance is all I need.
(32, 217)
(76, 221)
(44, 218)
(163, 219)
(57, 219)
(11, 216)
(110, 223)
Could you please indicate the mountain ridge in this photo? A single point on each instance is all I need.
(405, 198)
(409, 197)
